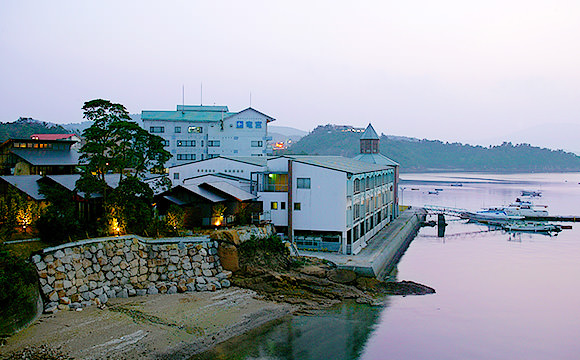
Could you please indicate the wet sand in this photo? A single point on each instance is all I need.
(151, 327)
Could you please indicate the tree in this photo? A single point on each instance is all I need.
(116, 144)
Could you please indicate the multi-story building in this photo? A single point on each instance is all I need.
(193, 133)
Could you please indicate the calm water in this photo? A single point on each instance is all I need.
(499, 296)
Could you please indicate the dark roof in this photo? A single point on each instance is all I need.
(26, 183)
(231, 190)
(38, 157)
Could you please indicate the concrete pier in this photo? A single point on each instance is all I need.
(384, 249)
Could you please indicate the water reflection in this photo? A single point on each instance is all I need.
(338, 333)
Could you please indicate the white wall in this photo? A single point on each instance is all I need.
(213, 166)
(324, 204)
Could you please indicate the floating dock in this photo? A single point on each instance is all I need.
(383, 250)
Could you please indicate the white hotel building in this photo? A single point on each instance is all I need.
(193, 133)
(321, 202)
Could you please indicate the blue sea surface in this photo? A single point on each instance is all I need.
(498, 295)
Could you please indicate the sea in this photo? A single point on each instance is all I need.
(499, 295)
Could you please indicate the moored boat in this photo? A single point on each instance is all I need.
(532, 226)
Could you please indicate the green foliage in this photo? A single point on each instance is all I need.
(272, 244)
(132, 201)
(59, 221)
(116, 144)
(17, 292)
(14, 208)
(23, 128)
(434, 155)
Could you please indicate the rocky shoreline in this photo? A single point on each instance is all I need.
(265, 288)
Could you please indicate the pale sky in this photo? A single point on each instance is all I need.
(453, 70)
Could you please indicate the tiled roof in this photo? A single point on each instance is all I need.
(193, 116)
(25, 183)
(38, 157)
(369, 134)
(338, 163)
(379, 159)
(230, 189)
(51, 136)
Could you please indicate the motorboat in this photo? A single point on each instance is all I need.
(531, 193)
(523, 208)
(490, 216)
(532, 226)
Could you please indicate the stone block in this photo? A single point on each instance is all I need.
(151, 290)
(172, 290)
(225, 283)
(141, 292)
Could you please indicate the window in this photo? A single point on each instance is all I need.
(176, 176)
(257, 143)
(195, 130)
(177, 129)
(185, 156)
(356, 186)
(239, 124)
(297, 206)
(274, 205)
(165, 142)
(185, 143)
(258, 124)
(157, 129)
(283, 205)
(213, 143)
(249, 124)
(303, 183)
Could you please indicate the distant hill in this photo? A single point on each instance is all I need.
(78, 128)
(433, 155)
(23, 128)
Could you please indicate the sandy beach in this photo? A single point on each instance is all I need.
(150, 327)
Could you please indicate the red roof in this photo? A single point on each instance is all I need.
(51, 136)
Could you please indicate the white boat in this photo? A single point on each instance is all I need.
(490, 216)
(523, 208)
(531, 226)
(531, 193)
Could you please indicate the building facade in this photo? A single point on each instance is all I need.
(193, 133)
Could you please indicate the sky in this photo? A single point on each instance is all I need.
(452, 70)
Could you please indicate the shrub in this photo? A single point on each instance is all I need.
(18, 292)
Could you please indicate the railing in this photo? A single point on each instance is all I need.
(273, 187)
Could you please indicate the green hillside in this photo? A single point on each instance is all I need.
(24, 127)
(433, 155)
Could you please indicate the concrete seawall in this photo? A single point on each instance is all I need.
(384, 249)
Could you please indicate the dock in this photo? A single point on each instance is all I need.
(383, 250)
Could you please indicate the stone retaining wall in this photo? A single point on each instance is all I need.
(92, 271)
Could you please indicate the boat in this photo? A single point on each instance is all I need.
(457, 184)
(524, 208)
(490, 216)
(531, 193)
(532, 226)
(433, 192)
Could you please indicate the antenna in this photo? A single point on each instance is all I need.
(201, 95)
(250, 99)
(182, 97)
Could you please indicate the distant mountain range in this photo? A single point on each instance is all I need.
(433, 155)
(413, 154)
(553, 136)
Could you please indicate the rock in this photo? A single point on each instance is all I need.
(51, 309)
(225, 283)
(63, 307)
(64, 301)
(103, 298)
(123, 294)
(152, 290)
(172, 290)
(341, 276)
(59, 254)
(141, 292)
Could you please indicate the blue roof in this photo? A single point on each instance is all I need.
(202, 108)
(201, 116)
(369, 134)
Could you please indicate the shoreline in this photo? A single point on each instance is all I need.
(174, 326)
